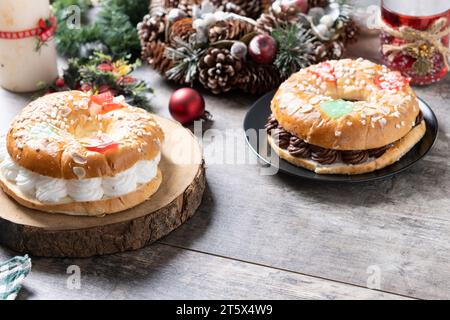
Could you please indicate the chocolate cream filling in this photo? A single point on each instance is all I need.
(301, 149)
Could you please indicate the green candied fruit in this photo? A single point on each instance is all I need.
(336, 108)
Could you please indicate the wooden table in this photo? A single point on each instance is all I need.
(259, 236)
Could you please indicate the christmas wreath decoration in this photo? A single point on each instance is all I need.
(252, 45)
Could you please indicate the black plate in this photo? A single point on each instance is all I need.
(256, 118)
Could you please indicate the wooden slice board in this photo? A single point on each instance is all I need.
(56, 235)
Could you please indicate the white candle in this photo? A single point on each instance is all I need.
(22, 67)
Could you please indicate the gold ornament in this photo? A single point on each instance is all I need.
(423, 54)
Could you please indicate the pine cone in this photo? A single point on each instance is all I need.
(252, 8)
(287, 15)
(318, 3)
(266, 5)
(351, 32)
(156, 6)
(181, 29)
(331, 50)
(258, 78)
(232, 7)
(218, 70)
(247, 8)
(171, 3)
(184, 5)
(156, 57)
(152, 28)
(267, 22)
(230, 29)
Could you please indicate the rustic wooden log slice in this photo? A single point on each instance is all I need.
(57, 235)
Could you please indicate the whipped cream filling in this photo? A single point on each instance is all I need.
(53, 190)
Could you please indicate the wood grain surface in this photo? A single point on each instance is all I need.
(263, 236)
(164, 272)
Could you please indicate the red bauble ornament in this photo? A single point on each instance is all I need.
(186, 105)
(60, 82)
(299, 5)
(263, 49)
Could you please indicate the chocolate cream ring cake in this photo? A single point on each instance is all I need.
(345, 117)
(81, 154)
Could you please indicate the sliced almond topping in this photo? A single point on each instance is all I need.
(395, 114)
(385, 110)
(314, 100)
(65, 111)
(79, 172)
(306, 108)
(53, 147)
(77, 158)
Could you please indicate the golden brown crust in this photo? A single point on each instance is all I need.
(92, 208)
(45, 137)
(392, 155)
(379, 116)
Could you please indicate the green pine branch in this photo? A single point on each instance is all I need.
(186, 57)
(296, 46)
(114, 32)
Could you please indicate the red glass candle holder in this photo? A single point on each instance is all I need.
(424, 65)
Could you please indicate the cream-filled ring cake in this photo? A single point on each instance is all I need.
(345, 117)
(81, 154)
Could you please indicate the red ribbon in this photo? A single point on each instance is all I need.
(45, 30)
